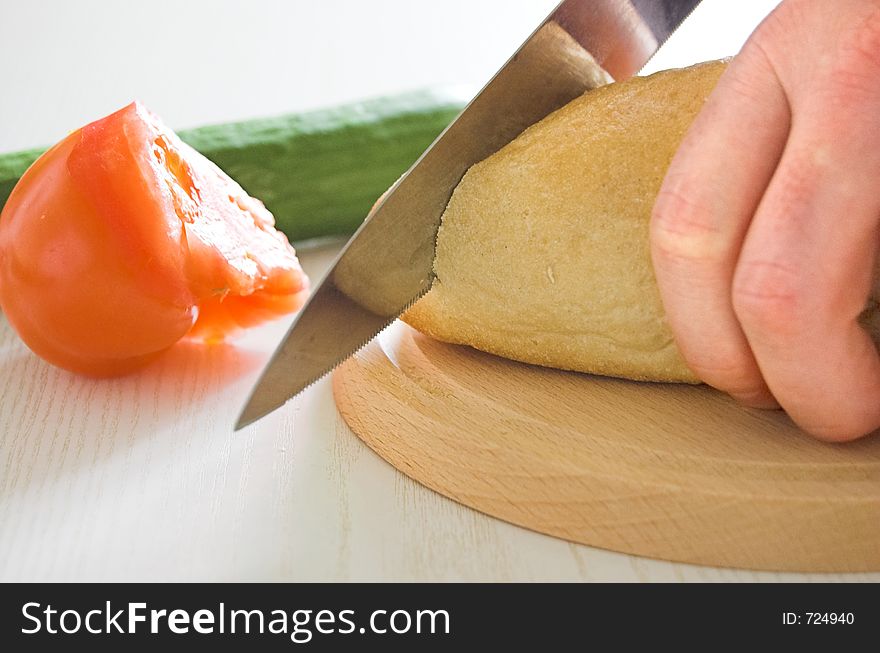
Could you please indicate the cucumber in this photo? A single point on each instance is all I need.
(318, 172)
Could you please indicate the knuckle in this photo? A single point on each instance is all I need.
(774, 35)
(768, 296)
(776, 25)
(843, 74)
(848, 88)
(859, 53)
(681, 227)
(850, 75)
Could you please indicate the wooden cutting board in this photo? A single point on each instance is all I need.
(665, 471)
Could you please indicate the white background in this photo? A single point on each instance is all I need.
(67, 62)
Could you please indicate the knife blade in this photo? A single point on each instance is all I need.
(388, 263)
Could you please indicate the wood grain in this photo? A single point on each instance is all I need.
(667, 471)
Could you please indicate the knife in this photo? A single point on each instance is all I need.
(388, 263)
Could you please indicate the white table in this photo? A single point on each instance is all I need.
(142, 478)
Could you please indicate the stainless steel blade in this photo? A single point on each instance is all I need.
(387, 265)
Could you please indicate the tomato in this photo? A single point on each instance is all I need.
(121, 240)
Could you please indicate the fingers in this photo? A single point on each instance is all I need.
(765, 234)
(806, 269)
(701, 217)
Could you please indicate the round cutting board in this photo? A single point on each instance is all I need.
(666, 471)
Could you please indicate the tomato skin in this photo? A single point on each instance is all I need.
(71, 294)
(100, 269)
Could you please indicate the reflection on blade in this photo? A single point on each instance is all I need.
(387, 265)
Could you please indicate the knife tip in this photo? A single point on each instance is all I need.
(249, 414)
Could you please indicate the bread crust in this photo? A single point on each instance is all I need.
(543, 253)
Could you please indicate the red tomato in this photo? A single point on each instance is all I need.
(121, 240)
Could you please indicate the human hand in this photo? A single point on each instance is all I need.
(766, 230)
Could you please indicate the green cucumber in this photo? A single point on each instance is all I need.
(318, 172)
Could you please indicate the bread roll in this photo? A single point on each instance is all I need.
(543, 252)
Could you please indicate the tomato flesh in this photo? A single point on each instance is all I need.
(121, 240)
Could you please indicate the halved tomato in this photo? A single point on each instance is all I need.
(121, 240)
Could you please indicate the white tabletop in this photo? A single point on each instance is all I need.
(141, 478)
